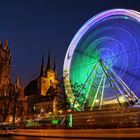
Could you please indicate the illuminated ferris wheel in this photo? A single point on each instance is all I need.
(102, 63)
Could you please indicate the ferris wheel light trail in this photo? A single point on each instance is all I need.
(125, 90)
(85, 83)
(97, 92)
(114, 91)
(82, 66)
(78, 51)
(129, 51)
(126, 87)
(120, 85)
(111, 39)
(130, 74)
(91, 75)
(89, 87)
(102, 94)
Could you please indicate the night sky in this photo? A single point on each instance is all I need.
(32, 26)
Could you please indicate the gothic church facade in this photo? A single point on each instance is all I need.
(43, 92)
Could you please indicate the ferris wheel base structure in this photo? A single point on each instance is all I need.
(101, 67)
(111, 104)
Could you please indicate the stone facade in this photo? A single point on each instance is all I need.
(5, 63)
(12, 100)
(43, 93)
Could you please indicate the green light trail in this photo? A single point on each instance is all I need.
(113, 81)
(84, 84)
(106, 74)
(70, 122)
(88, 90)
(102, 94)
(96, 94)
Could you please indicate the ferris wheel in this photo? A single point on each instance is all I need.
(102, 63)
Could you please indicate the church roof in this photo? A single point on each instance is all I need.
(31, 88)
(49, 62)
(42, 66)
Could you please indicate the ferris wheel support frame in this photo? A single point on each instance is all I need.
(110, 83)
(120, 84)
(84, 84)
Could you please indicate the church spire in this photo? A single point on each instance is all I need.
(55, 71)
(1, 46)
(49, 61)
(42, 65)
(54, 68)
(5, 45)
(17, 83)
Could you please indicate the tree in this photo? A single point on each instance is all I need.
(8, 102)
(5, 102)
(5, 105)
(64, 101)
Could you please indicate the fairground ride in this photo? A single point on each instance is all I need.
(102, 63)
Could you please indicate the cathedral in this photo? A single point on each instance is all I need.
(5, 63)
(44, 92)
(12, 100)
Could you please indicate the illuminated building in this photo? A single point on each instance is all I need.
(5, 63)
(43, 92)
(12, 100)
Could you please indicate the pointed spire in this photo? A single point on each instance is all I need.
(49, 61)
(42, 65)
(5, 45)
(17, 83)
(55, 68)
(1, 46)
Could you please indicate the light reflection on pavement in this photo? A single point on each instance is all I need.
(40, 138)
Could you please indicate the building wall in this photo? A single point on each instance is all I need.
(9, 93)
(43, 91)
(43, 85)
(5, 62)
(44, 82)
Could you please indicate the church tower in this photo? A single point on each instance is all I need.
(47, 77)
(50, 73)
(43, 92)
(5, 63)
(42, 80)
